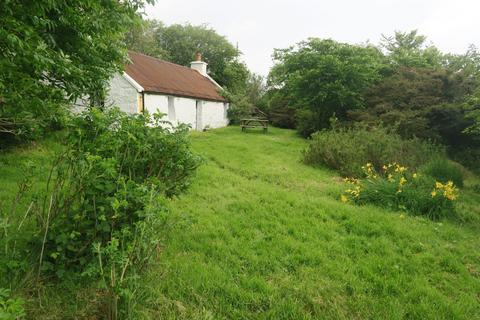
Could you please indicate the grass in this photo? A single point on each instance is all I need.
(259, 235)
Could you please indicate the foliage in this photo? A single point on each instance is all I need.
(277, 106)
(240, 107)
(10, 308)
(114, 166)
(346, 149)
(419, 102)
(143, 37)
(256, 89)
(443, 170)
(325, 77)
(409, 49)
(178, 43)
(53, 54)
(101, 215)
(398, 188)
(256, 222)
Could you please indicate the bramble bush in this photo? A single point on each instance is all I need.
(397, 188)
(347, 149)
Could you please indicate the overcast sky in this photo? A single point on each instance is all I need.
(259, 26)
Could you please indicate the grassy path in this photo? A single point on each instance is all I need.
(262, 236)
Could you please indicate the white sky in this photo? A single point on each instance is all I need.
(259, 26)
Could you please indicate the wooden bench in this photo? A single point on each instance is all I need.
(254, 123)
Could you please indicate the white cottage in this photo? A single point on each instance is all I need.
(184, 95)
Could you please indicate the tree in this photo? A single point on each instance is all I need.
(178, 43)
(143, 38)
(409, 49)
(321, 78)
(55, 51)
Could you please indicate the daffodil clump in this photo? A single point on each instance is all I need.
(396, 187)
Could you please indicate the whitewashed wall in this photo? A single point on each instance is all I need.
(185, 111)
(214, 114)
(182, 110)
(156, 103)
(122, 94)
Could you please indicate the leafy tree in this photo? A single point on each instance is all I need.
(321, 78)
(143, 38)
(409, 49)
(183, 41)
(53, 52)
(256, 89)
(178, 43)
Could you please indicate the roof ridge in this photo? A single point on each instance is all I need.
(165, 61)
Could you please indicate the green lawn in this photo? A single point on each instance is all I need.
(259, 235)
(266, 237)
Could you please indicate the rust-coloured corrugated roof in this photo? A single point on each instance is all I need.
(156, 75)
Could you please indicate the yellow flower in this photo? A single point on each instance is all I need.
(403, 181)
(343, 198)
(414, 176)
(385, 167)
(390, 178)
(434, 194)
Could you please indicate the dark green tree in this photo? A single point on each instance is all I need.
(52, 52)
(320, 78)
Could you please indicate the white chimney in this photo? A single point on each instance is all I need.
(199, 65)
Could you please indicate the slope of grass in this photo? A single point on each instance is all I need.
(259, 235)
(264, 237)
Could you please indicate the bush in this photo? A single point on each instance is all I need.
(397, 188)
(468, 157)
(347, 149)
(102, 215)
(113, 168)
(443, 170)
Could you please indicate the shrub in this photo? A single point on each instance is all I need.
(398, 188)
(114, 166)
(346, 149)
(468, 157)
(443, 170)
(102, 213)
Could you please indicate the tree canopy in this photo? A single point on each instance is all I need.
(53, 52)
(178, 43)
(324, 77)
(404, 83)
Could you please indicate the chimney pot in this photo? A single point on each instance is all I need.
(199, 65)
